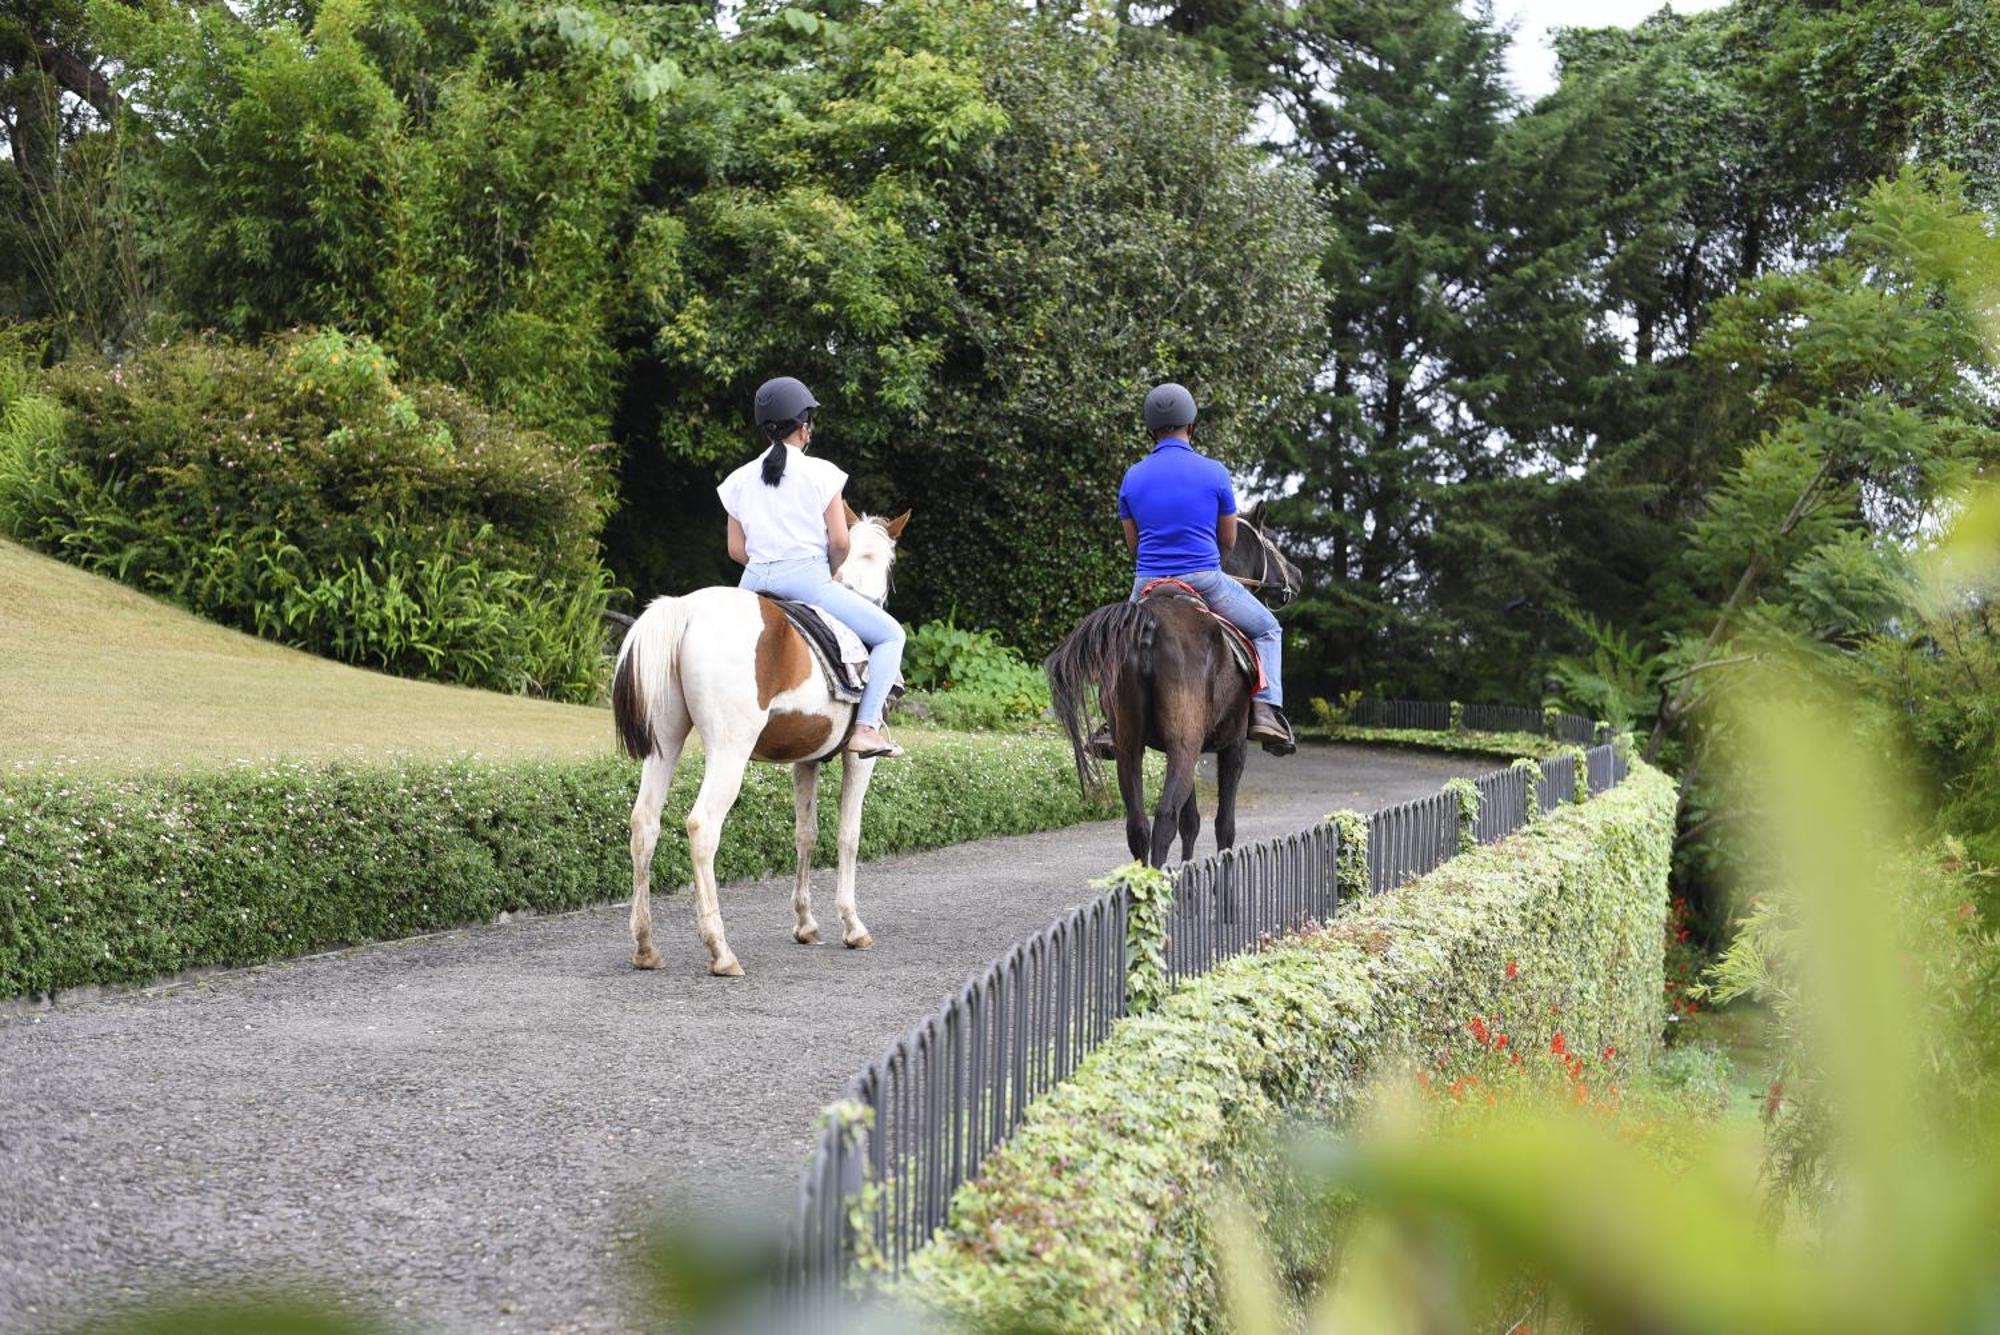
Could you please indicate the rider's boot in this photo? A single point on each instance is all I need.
(1100, 744)
(1269, 726)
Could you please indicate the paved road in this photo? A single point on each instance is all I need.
(465, 1132)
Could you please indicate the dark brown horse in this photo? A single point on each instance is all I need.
(1163, 675)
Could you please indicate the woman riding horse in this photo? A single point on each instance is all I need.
(788, 529)
(728, 663)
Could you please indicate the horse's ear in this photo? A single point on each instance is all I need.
(1255, 514)
(852, 518)
(895, 526)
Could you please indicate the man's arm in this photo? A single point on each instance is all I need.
(1225, 509)
(1131, 536)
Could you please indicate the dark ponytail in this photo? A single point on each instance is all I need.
(774, 462)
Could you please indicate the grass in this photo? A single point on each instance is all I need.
(98, 675)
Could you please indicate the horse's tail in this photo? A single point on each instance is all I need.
(1085, 672)
(648, 675)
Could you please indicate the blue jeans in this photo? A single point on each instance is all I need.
(1239, 606)
(808, 580)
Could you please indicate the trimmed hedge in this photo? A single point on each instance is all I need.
(123, 880)
(1092, 1215)
(1460, 743)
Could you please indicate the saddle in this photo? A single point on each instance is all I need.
(842, 657)
(1239, 644)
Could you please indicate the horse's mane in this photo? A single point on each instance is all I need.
(869, 546)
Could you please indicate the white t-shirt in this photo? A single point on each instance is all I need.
(788, 521)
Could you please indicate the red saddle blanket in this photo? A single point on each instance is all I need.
(1232, 634)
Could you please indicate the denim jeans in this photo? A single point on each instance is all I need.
(1239, 606)
(808, 580)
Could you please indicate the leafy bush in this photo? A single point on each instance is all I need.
(298, 492)
(1094, 1213)
(969, 679)
(124, 880)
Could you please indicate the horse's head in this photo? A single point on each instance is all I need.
(1258, 564)
(871, 551)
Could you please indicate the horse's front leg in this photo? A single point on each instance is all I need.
(855, 774)
(805, 833)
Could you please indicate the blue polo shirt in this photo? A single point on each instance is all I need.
(1176, 496)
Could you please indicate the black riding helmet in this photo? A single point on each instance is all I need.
(782, 404)
(1169, 405)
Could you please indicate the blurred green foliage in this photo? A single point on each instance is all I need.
(300, 492)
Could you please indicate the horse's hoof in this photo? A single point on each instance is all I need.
(861, 942)
(807, 937)
(726, 968)
(646, 959)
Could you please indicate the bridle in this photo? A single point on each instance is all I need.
(1266, 550)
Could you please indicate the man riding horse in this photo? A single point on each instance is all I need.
(1178, 510)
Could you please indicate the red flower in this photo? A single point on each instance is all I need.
(1774, 1099)
(1559, 1045)
(1513, 971)
(1478, 1028)
(1610, 1052)
(1499, 1042)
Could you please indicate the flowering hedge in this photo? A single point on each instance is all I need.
(123, 880)
(1092, 1214)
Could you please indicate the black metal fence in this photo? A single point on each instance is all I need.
(919, 1120)
(1436, 716)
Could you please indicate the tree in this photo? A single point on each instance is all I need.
(980, 235)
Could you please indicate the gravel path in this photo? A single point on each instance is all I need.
(465, 1132)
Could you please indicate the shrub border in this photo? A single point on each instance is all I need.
(122, 881)
(1093, 1212)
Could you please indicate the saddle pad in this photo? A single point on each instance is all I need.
(1240, 648)
(843, 658)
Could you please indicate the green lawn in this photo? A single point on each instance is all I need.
(93, 673)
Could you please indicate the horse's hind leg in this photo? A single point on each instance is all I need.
(1190, 826)
(805, 833)
(720, 783)
(854, 776)
(1132, 789)
(1228, 773)
(654, 780)
(1176, 792)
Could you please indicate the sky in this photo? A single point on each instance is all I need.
(1532, 65)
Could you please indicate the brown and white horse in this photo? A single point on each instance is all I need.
(726, 663)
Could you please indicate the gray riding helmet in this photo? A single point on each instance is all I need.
(783, 401)
(1169, 405)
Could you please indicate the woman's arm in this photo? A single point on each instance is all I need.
(836, 534)
(739, 552)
